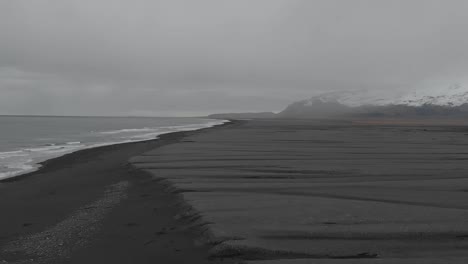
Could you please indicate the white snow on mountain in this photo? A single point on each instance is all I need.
(454, 95)
(350, 98)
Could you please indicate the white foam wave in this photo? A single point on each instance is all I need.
(155, 130)
(170, 129)
(16, 169)
(54, 148)
(127, 130)
(14, 163)
(10, 154)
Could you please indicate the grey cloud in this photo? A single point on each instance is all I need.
(193, 57)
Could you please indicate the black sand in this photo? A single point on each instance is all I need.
(299, 191)
(91, 206)
(264, 191)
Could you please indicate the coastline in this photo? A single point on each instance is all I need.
(46, 211)
(36, 161)
(39, 165)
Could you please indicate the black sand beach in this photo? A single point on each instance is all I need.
(92, 206)
(264, 191)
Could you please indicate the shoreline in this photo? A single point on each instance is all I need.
(40, 165)
(47, 211)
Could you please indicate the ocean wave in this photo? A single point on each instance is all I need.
(25, 160)
(16, 169)
(10, 154)
(180, 128)
(73, 143)
(127, 130)
(54, 148)
(164, 128)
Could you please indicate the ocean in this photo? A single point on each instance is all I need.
(27, 140)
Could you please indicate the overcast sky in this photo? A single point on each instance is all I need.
(191, 57)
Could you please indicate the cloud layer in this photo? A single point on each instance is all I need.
(184, 57)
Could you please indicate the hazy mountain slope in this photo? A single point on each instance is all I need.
(253, 115)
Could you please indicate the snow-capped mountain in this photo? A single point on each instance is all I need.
(453, 99)
(453, 96)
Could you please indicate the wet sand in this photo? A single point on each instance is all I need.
(325, 192)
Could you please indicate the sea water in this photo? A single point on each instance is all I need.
(27, 140)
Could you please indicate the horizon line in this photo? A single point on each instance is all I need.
(116, 116)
